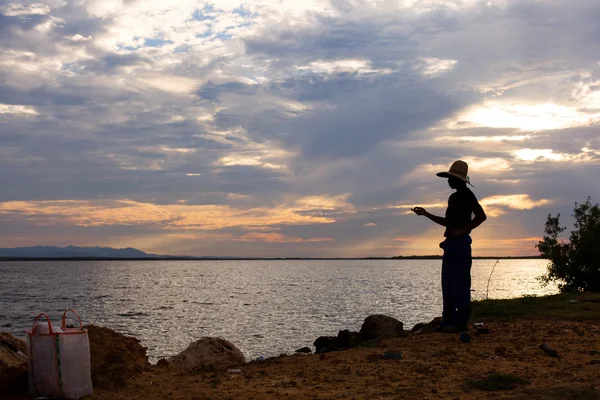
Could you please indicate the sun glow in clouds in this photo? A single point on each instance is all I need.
(436, 66)
(535, 154)
(499, 138)
(178, 216)
(360, 66)
(514, 201)
(247, 161)
(496, 206)
(272, 237)
(325, 202)
(587, 94)
(16, 109)
(526, 117)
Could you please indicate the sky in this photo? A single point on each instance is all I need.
(283, 128)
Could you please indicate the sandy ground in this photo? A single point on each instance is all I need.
(434, 366)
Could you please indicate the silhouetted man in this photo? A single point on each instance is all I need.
(456, 263)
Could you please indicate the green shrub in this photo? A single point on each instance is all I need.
(575, 264)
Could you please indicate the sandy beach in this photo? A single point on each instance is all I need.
(434, 366)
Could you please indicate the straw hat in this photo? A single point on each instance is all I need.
(458, 170)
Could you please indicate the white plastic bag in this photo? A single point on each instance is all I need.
(59, 359)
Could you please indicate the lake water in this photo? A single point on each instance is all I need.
(263, 307)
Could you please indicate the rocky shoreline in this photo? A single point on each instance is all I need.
(115, 357)
(507, 362)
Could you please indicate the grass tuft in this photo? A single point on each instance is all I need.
(580, 306)
(495, 382)
(561, 393)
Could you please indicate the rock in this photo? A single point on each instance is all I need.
(207, 354)
(13, 364)
(324, 344)
(344, 340)
(163, 363)
(445, 352)
(114, 357)
(465, 337)
(426, 327)
(551, 352)
(500, 351)
(595, 362)
(418, 328)
(348, 339)
(578, 331)
(370, 343)
(305, 350)
(381, 326)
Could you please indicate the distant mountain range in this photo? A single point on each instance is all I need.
(72, 252)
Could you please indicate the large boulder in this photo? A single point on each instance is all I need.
(114, 357)
(207, 354)
(13, 364)
(379, 326)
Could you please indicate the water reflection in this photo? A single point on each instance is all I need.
(264, 307)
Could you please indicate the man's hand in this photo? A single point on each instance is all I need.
(434, 218)
(419, 210)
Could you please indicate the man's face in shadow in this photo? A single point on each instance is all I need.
(453, 182)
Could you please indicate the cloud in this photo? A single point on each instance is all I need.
(278, 238)
(497, 205)
(17, 109)
(524, 117)
(586, 155)
(147, 119)
(343, 66)
(180, 216)
(436, 66)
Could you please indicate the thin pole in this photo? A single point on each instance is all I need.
(489, 279)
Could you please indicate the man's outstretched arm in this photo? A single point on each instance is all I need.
(421, 211)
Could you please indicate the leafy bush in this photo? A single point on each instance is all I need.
(574, 265)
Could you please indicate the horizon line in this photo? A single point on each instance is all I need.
(234, 258)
